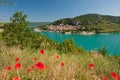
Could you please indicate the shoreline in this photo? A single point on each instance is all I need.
(69, 32)
(86, 33)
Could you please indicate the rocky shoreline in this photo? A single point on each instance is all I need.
(87, 33)
(69, 32)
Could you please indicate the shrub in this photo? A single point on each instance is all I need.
(68, 46)
(103, 51)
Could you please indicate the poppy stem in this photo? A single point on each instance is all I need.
(18, 74)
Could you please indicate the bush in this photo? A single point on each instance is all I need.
(68, 46)
(103, 51)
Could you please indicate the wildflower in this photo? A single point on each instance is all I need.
(62, 64)
(8, 68)
(39, 66)
(118, 77)
(57, 56)
(32, 66)
(28, 70)
(34, 59)
(16, 59)
(15, 78)
(91, 65)
(114, 75)
(104, 78)
(17, 66)
(46, 67)
(41, 51)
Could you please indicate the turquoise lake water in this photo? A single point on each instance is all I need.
(91, 42)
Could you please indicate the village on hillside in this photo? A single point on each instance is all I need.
(68, 29)
(61, 27)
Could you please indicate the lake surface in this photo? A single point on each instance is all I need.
(91, 42)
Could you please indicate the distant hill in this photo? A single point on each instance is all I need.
(36, 24)
(93, 22)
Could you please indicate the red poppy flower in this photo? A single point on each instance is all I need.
(57, 57)
(41, 51)
(17, 66)
(46, 67)
(118, 77)
(15, 78)
(16, 59)
(8, 68)
(114, 75)
(104, 78)
(40, 66)
(32, 66)
(62, 64)
(28, 70)
(34, 59)
(91, 65)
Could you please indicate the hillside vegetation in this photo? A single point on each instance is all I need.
(93, 22)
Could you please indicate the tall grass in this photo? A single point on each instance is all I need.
(0, 35)
(76, 65)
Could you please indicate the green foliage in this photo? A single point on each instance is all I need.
(68, 46)
(18, 33)
(0, 35)
(103, 51)
(2, 24)
(14, 32)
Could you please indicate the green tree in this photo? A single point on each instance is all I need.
(18, 33)
(15, 31)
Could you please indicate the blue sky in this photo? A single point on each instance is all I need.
(51, 10)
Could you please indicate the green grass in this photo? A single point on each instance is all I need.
(75, 68)
(0, 35)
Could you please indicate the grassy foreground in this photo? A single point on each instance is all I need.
(57, 65)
